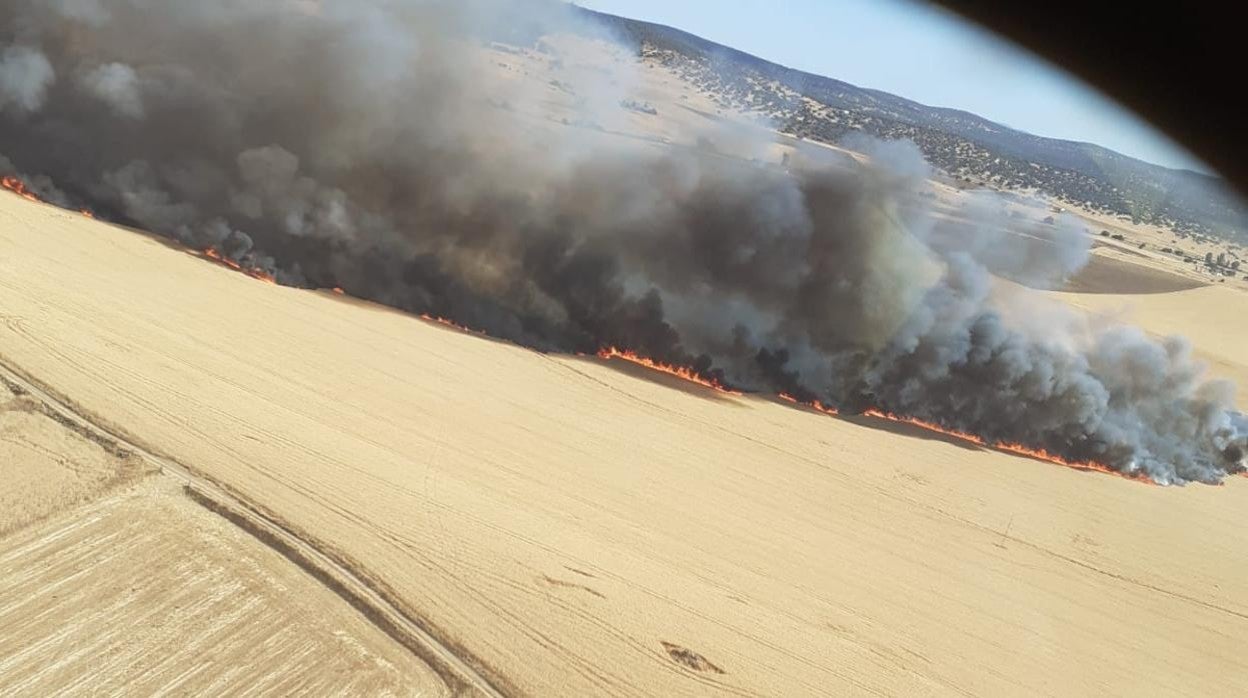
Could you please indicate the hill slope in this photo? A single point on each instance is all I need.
(574, 528)
(961, 144)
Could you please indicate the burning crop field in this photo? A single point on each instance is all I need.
(359, 146)
(465, 359)
(666, 539)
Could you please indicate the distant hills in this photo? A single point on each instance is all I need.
(964, 146)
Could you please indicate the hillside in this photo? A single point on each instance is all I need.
(369, 352)
(566, 525)
(963, 145)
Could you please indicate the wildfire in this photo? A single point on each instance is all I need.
(449, 323)
(253, 272)
(18, 187)
(1016, 449)
(681, 372)
(813, 404)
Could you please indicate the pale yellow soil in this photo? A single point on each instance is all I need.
(575, 529)
(146, 593)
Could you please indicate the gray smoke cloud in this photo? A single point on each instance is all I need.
(377, 146)
(25, 76)
(117, 85)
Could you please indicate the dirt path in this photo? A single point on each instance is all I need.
(458, 673)
(568, 528)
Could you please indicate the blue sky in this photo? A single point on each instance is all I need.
(916, 51)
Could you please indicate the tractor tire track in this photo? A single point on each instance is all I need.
(453, 665)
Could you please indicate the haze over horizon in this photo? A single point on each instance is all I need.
(923, 53)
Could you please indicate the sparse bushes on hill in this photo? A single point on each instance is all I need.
(961, 144)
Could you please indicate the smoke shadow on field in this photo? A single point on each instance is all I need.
(908, 430)
(662, 379)
(365, 304)
(905, 429)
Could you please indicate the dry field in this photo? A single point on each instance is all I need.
(47, 467)
(564, 91)
(563, 526)
(147, 593)
(1211, 317)
(114, 582)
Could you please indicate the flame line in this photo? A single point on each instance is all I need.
(253, 272)
(1004, 447)
(692, 376)
(451, 324)
(682, 372)
(18, 187)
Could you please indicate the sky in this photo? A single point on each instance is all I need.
(920, 52)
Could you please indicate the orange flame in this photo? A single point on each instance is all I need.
(255, 273)
(18, 187)
(450, 323)
(679, 371)
(813, 404)
(1015, 449)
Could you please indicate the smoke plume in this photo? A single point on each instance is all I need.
(378, 146)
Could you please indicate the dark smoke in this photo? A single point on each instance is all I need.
(374, 145)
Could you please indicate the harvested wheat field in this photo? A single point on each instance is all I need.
(48, 467)
(546, 525)
(1114, 275)
(146, 593)
(114, 580)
